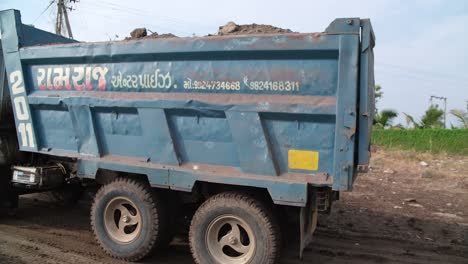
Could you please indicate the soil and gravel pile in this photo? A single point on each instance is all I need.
(142, 33)
(230, 28)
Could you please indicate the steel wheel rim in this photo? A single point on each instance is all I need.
(122, 220)
(230, 240)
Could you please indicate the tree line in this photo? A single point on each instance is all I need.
(432, 117)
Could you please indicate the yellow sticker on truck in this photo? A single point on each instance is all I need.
(303, 159)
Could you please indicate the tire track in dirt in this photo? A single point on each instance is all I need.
(373, 224)
(24, 241)
(352, 247)
(29, 251)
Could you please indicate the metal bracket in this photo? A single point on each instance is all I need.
(308, 222)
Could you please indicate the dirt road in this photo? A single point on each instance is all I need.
(400, 212)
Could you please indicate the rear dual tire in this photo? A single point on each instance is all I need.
(234, 228)
(130, 221)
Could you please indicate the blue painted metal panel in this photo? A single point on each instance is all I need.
(83, 125)
(54, 127)
(287, 131)
(253, 147)
(366, 92)
(226, 110)
(343, 171)
(112, 125)
(158, 136)
(309, 77)
(202, 137)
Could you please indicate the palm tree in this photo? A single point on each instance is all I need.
(385, 118)
(432, 118)
(462, 116)
(411, 121)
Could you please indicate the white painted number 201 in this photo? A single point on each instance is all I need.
(21, 110)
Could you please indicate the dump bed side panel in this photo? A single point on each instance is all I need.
(275, 111)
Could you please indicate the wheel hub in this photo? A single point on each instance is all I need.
(122, 220)
(230, 240)
(125, 219)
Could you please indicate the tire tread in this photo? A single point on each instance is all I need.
(262, 211)
(149, 196)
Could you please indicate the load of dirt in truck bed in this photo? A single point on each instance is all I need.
(230, 28)
(142, 33)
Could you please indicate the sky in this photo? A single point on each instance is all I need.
(421, 45)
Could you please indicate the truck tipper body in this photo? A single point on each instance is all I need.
(280, 121)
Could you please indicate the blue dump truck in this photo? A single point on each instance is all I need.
(244, 136)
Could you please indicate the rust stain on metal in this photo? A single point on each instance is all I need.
(299, 37)
(283, 74)
(222, 99)
(282, 45)
(317, 37)
(272, 74)
(349, 132)
(209, 171)
(183, 40)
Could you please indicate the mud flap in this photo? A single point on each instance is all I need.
(308, 221)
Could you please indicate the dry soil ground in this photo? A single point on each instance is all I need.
(399, 212)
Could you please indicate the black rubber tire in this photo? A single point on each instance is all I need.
(255, 213)
(153, 219)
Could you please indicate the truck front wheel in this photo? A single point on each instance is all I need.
(234, 228)
(127, 218)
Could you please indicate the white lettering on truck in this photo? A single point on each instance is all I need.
(21, 109)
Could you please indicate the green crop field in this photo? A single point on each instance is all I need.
(451, 141)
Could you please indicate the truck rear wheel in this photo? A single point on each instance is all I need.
(127, 218)
(234, 228)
